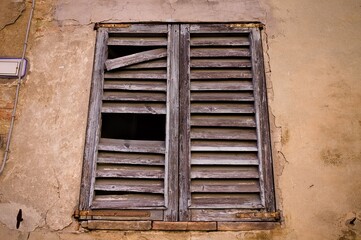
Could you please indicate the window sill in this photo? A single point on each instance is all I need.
(177, 226)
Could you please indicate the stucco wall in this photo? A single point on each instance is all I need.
(312, 53)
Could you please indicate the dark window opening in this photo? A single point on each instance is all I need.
(133, 126)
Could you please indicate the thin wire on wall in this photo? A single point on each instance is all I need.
(7, 148)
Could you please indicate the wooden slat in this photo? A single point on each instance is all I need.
(130, 158)
(216, 28)
(222, 120)
(119, 145)
(160, 63)
(146, 29)
(224, 186)
(220, 52)
(113, 41)
(128, 201)
(213, 96)
(219, 145)
(221, 108)
(137, 74)
(225, 200)
(220, 63)
(133, 173)
(133, 185)
(223, 133)
(134, 96)
(220, 74)
(221, 85)
(224, 172)
(146, 107)
(135, 58)
(136, 85)
(219, 41)
(224, 158)
(230, 217)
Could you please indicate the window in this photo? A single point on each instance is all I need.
(178, 125)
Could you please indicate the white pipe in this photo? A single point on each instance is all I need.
(17, 89)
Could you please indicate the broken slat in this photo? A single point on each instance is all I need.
(155, 64)
(222, 120)
(134, 96)
(221, 85)
(111, 64)
(223, 133)
(131, 107)
(136, 85)
(119, 145)
(222, 96)
(220, 63)
(220, 52)
(131, 158)
(222, 108)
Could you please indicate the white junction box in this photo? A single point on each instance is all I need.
(10, 67)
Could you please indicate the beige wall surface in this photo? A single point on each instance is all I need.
(312, 57)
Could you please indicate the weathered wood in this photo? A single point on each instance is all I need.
(136, 85)
(145, 29)
(221, 85)
(220, 52)
(123, 215)
(208, 28)
(221, 108)
(214, 40)
(131, 158)
(221, 96)
(120, 145)
(220, 74)
(129, 201)
(222, 120)
(136, 74)
(261, 106)
(220, 63)
(223, 133)
(172, 125)
(111, 64)
(118, 225)
(219, 145)
(155, 64)
(114, 41)
(134, 96)
(225, 200)
(91, 138)
(184, 130)
(232, 172)
(224, 186)
(184, 226)
(224, 158)
(145, 188)
(156, 174)
(131, 107)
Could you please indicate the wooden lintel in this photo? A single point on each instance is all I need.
(111, 213)
(261, 215)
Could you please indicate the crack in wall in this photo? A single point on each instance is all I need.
(13, 21)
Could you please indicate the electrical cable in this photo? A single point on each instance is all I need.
(17, 89)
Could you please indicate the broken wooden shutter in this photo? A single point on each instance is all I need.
(132, 136)
(222, 156)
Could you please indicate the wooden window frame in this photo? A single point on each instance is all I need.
(178, 118)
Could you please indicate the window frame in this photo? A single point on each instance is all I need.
(177, 86)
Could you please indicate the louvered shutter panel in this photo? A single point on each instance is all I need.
(138, 80)
(222, 143)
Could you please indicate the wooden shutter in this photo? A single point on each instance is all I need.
(222, 169)
(135, 75)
